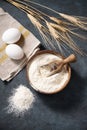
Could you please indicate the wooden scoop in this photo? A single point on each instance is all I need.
(56, 66)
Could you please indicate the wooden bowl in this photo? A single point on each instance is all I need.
(58, 89)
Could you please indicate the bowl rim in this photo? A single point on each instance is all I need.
(50, 52)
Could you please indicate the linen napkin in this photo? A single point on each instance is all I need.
(29, 43)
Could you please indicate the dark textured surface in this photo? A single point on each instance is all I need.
(66, 110)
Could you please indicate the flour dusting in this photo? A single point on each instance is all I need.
(21, 100)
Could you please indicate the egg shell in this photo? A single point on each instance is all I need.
(14, 51)
(11, 35)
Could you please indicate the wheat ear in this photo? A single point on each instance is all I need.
(59, 30)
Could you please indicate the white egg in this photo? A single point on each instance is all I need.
(14, 51)
(11, 35)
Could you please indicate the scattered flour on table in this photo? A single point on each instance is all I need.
(21, 100)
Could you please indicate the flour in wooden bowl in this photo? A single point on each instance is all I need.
(51, 84)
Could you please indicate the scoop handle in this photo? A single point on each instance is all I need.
(70, 59)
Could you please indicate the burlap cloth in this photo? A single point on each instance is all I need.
(29, 43)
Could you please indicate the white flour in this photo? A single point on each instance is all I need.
(21, 100)
(46, 84)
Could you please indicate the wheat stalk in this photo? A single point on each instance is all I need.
(78, 21)
(59, 30)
